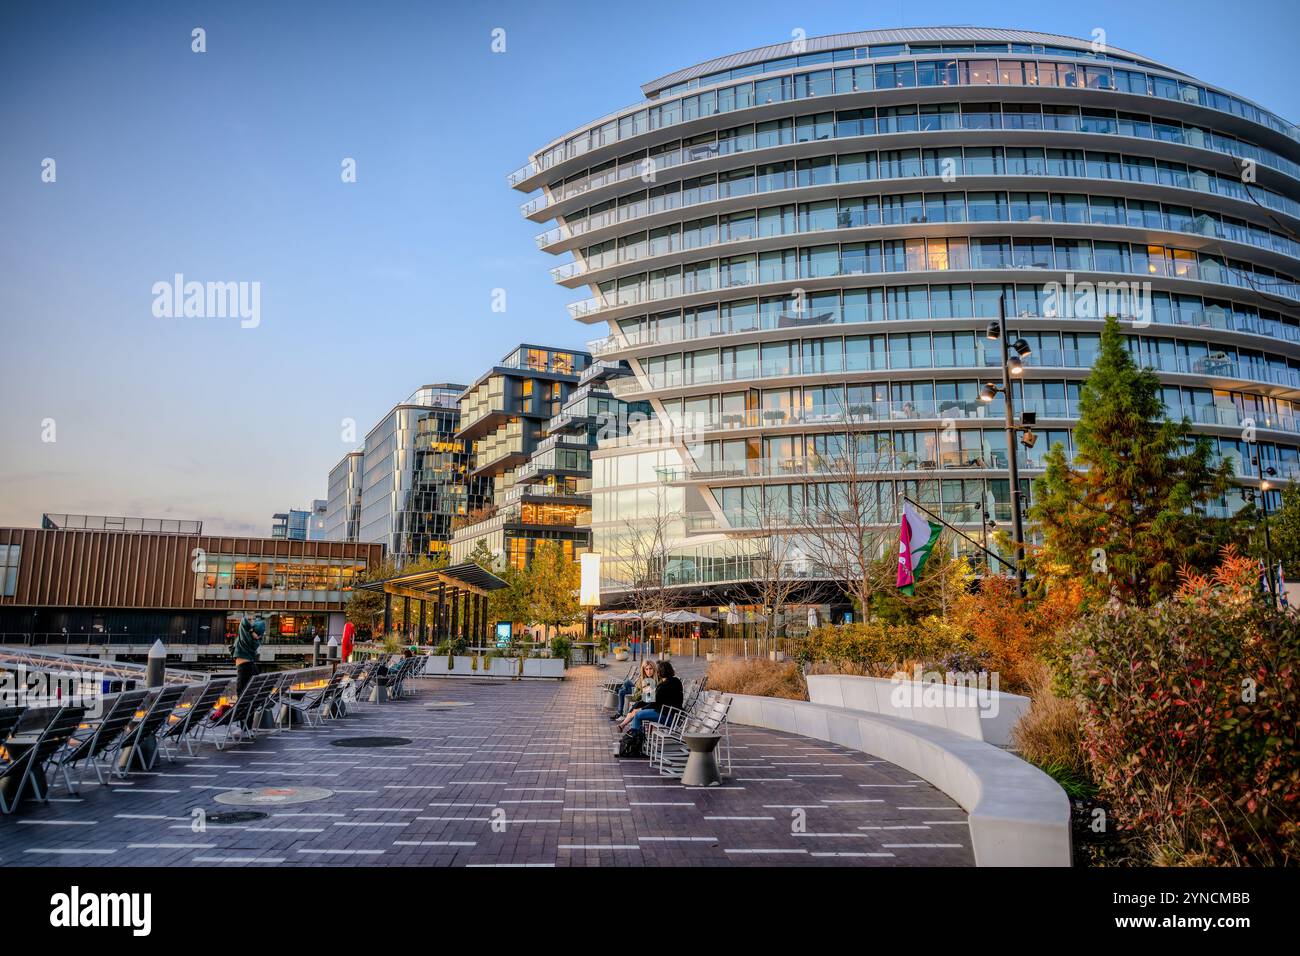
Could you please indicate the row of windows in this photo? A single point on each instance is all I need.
(914, 163)
(938, 207)
(896, 303)
(858, 454)
(820, 356)
(908, 118)
(953, 400)
(250, 573)
(923, 73)
(898, 255)
(881, 50)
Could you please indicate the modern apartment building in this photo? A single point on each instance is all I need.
(408, 481)
(798, 248)
(539, 476)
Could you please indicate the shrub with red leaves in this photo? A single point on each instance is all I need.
(1190, 712)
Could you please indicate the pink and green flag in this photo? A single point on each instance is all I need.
(916, 537)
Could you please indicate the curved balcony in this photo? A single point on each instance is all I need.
(1211, 320)
(945, 412)
(1213, 366)
(865, 224)
(786, 274)
(1171, 129)
(1170, 147)
(1047, 77)
(1137, 179)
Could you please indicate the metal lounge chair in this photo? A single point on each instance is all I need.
(9, 717)
(193, 722)
(146, 728)
(29, 766)
(241, 714)
(97, 744)
(314, 704)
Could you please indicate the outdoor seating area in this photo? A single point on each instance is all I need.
(445, 772)
(57, 745)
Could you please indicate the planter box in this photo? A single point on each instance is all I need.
(498, 667)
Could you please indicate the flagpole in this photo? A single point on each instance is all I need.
(958, 531)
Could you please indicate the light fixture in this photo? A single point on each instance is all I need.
(993, 332)
(988, 392)
(1028, 439)
(1015, 366)
(1022, 348)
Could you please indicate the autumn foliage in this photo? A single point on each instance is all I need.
(1010, 633)
(1189, 715)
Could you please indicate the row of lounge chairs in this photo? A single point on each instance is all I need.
(136, 725)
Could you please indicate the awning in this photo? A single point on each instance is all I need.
(425, 584)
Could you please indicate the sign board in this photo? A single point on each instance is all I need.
(589, 588)
(504, 630)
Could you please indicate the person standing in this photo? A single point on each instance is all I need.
(244, 651)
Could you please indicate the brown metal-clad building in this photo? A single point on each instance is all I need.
(77, 588)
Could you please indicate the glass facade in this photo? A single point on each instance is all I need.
(797, 256)
(343, 507)
(414, 476)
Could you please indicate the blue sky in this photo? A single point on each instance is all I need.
(225, 166)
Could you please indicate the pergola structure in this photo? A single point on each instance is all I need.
(459, 596)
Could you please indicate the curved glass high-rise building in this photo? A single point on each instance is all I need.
(798, 249)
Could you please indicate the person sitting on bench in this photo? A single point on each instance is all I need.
(646, 690)
(668, 693)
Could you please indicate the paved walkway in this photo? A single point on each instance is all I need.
(498, 773)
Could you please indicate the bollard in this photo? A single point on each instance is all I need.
(315, 651)
(156, 668)
(155, 673)
(334, 654)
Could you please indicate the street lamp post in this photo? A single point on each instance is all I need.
(1012, 365)
(1264, 484)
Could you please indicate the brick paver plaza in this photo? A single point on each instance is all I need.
(497, 773)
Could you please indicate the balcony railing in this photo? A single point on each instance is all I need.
(1217, 319)
(1213, 365)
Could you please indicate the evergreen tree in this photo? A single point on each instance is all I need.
(1131, 514)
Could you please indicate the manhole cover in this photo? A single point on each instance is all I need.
(235, 816)
(449, 703)
(488, 683)
(272, 796)
(371, 742)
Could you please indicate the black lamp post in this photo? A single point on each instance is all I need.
(1012, 365)
(1264, 484)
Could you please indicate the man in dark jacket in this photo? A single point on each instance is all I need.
(245, 650)
(668, 693)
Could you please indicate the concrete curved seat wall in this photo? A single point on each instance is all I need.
(980, 714)
(1018, 815)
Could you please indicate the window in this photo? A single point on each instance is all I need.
(9, 559)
